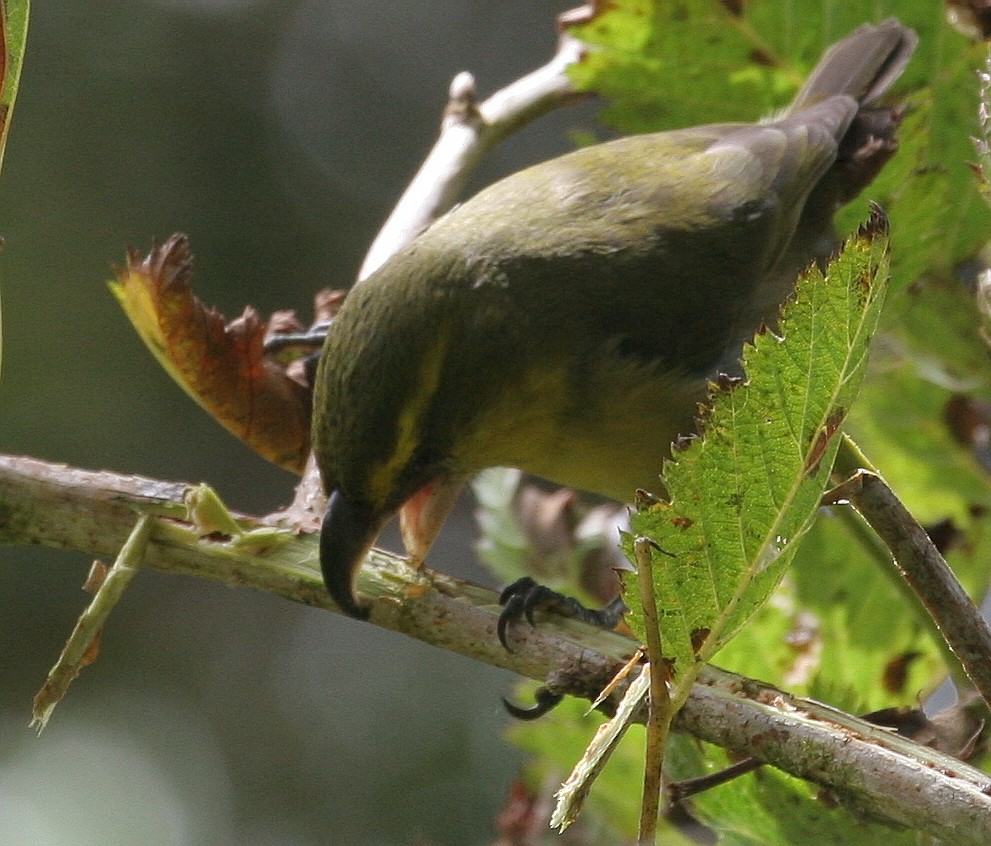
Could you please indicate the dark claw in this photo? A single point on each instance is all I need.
(518, 601)
(545, 701)
(524, 596)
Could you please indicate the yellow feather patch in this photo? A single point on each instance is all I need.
(382, 480)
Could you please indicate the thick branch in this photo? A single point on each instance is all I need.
(871, 770)
(875, 770)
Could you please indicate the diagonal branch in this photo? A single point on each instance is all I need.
(877, 771)
(919, 563)
(469, 131)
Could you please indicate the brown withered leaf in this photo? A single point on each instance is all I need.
(220, 365)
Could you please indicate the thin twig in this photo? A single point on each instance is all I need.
(922, 566)
(659, 711)
(469, 131)
(679, 791)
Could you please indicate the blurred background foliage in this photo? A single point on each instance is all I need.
(277, 135)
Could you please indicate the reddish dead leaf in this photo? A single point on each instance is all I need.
(221, 366)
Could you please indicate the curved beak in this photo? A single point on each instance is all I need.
(348, 532)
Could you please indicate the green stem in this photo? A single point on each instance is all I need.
(660, 712)
(78, 650)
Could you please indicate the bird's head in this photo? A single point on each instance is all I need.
(381, 434)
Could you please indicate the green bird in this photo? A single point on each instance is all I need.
(568, 319)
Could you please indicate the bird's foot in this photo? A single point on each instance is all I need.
(524, 597)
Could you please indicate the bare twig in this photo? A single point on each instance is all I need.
(958, 619)
(469, 131)
(881, 773)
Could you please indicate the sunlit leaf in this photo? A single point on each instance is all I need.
(745, 493)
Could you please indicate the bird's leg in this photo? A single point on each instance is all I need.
(524, 597)
(311, 338)
(304, 347)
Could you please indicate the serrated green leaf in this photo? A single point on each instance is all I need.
(744, 494)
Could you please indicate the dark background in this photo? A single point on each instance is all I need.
(277, 135)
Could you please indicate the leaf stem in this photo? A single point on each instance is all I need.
(660, 712)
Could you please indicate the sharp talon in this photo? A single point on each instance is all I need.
(509, 613)
(516, 603)
(517, 588)
(545, 701)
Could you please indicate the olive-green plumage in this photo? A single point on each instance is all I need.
(566, 319)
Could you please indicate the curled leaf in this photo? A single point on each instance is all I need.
(221, 365)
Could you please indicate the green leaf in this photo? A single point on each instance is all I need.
(744, 494)
(13, 35)
(663, 65)
(840, 628)
(15, 31)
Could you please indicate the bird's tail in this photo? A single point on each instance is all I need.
(862, 65)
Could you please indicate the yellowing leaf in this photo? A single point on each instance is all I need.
(220, 365)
